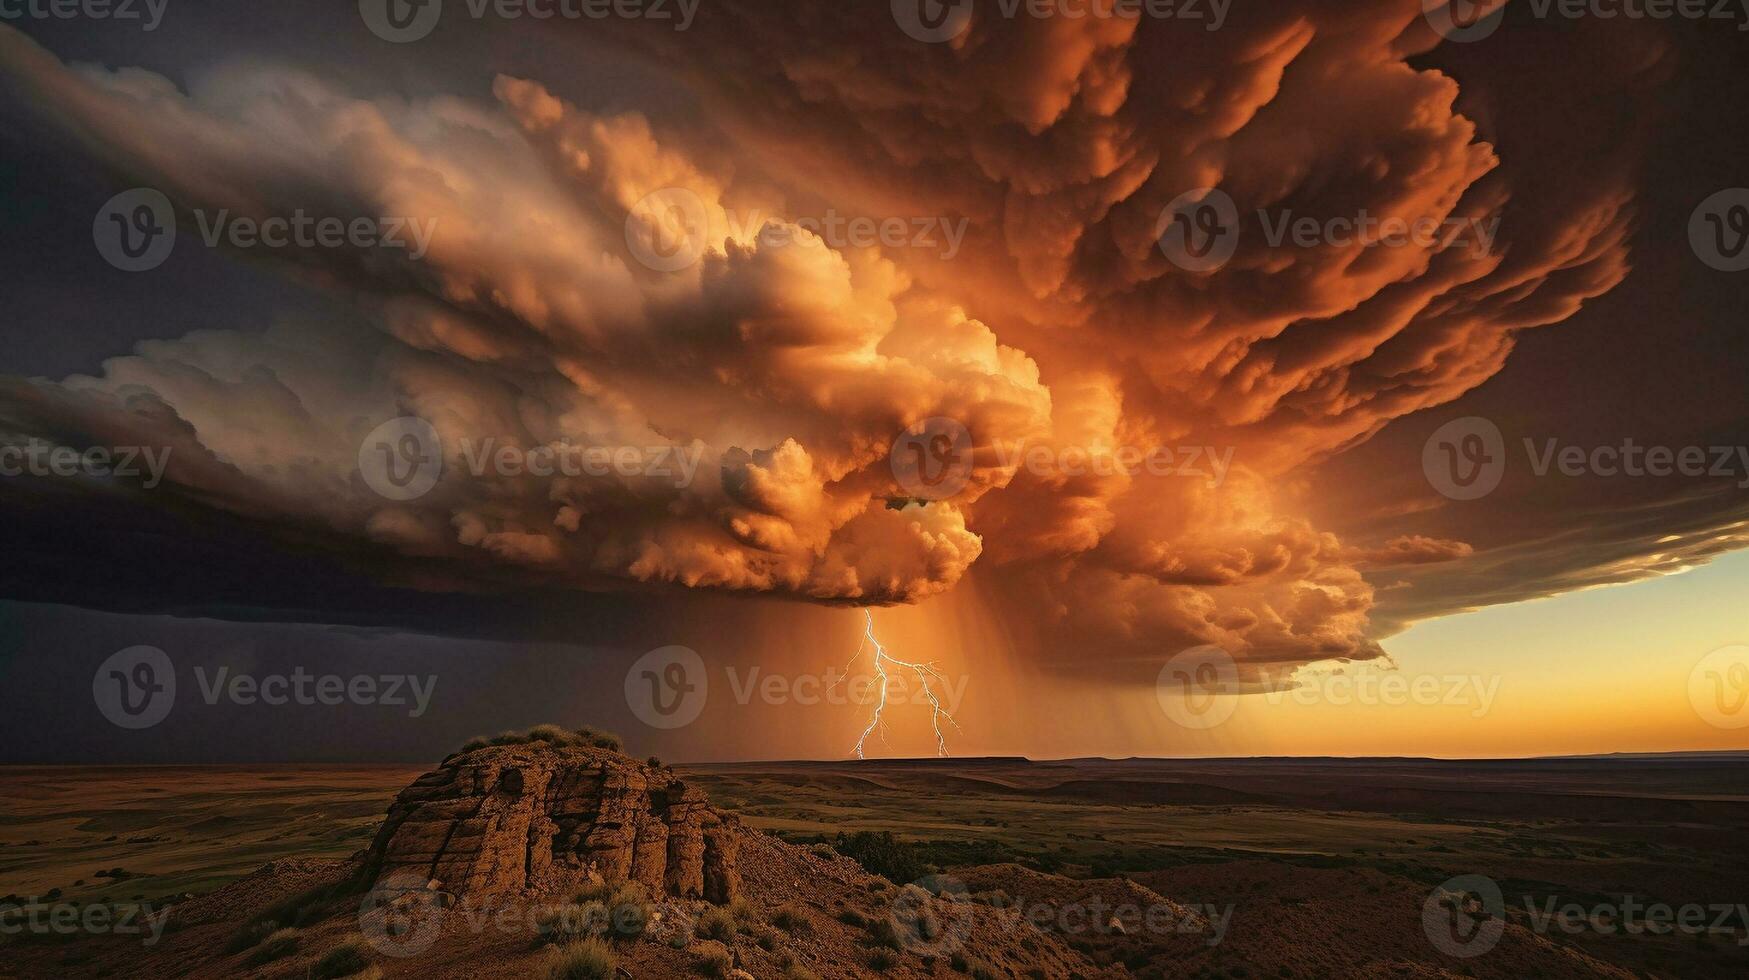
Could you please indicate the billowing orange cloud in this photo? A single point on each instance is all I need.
(784, 364)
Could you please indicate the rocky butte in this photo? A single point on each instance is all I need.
(541, 818)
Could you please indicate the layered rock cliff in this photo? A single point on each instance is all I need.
(538, 818)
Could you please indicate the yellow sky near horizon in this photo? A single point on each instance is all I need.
(1598, 671)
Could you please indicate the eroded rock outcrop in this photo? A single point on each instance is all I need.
(539, 818)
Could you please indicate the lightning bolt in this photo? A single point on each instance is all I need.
(925, 673)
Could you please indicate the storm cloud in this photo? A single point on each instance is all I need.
(788, 364)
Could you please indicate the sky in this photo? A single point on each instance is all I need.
(647, 363)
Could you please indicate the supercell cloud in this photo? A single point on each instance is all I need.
(778, 364)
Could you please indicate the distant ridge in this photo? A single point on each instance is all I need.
(1716, 755)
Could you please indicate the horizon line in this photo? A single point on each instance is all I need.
(949, 760)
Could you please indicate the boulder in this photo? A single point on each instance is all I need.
(537, 819)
